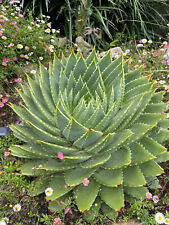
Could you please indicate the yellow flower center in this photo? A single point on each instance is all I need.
(159, 218)
(17, 208)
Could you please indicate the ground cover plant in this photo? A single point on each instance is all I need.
(24, 40)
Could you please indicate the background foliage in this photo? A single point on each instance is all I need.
(140, 17)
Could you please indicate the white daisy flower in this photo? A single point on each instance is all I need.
(150, 41)
(47, 31)
(140, 45)
(33, 71)
(166, 220)
(17, 208)
(49, 191)
(6, 219)
(4, 38)
(29, 27)
(144, 40)
(165, 43)
(19, 46)
(2, 222)
(159, 218)
(41, 58)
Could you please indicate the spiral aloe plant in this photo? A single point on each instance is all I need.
(93, 130)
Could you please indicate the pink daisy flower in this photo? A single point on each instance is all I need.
(155, 54)
(57, 221)
(60, 155)
(17, 80)
(1, 96)
(155, 199)
(4, 100)
(136, 66)
(15, 58)
(85, 182)
(7, 153)
(22, 55)
(8, 95)
(1, 104)
(166, 46)
(148, 195)
(167, 88)
(4, 64)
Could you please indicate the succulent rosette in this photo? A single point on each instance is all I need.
(91, 121)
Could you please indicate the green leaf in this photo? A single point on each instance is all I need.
(164, 124)
(91, 57)
(139, 154)
(108, 212)
(70, 64)
(75, 176)
(150, 118)
(115, 140)
(96, 161)
(151, 168)
(74, 130)
(30, 168)
(134, 83)
(91, 68)
(137, 91)
(56, 165)
(108, 70)
(105, 61)
(39, 185)
(139, 129)
(80, 68)
(155, 108)
(45, 88)
(118, 159)
(59, 187)
(61, 120)
(59, 204)
(152, 182)
(163, 157)
(159, 134)
(111, 178)
(133, 177)
(157, 97)
(86, 195)
(113, 197)
(136, 192)
(135, 74)
(93, 212)
(152, 146)
(89, 138)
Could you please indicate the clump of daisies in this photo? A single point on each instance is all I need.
(16, 50)
(160, 219)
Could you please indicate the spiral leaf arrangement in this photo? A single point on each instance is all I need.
(93, 130)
